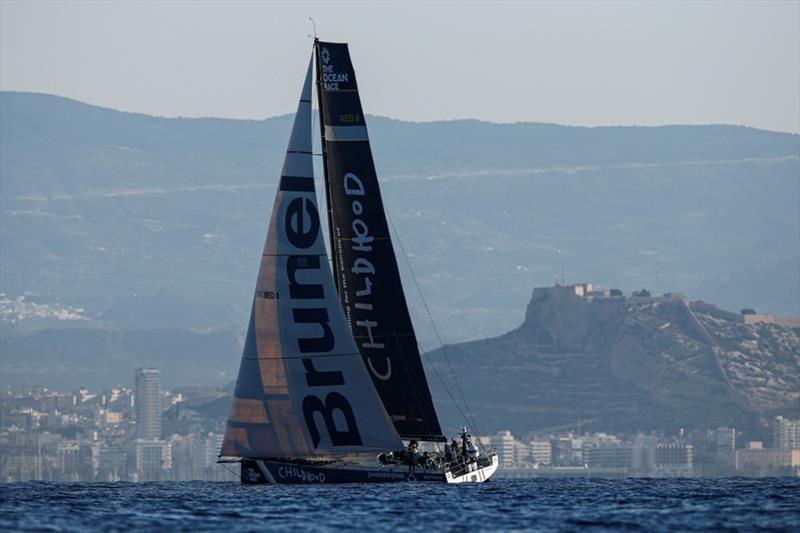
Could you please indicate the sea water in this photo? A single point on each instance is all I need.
(531, 504)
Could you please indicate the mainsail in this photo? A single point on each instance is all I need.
(302, 389)
(365, 268)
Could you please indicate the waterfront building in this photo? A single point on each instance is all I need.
(504, 443)
(149, 460)
(760, 461)
(674, 460)
(541, 452)
(644, 453)
(609, 456)
(184, 458)
(112, 464)
(567, 451)
(211, 445)
(786, 433)
(726, 445)
(726, 439)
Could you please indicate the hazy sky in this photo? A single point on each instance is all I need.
(568, 63)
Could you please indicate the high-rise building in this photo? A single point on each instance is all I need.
(787, 433)
(147, 400)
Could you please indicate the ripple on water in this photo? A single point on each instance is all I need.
(543, 504)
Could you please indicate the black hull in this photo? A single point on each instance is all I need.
(273, 472)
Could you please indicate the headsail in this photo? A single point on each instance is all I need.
(302, 389)
(365, 268)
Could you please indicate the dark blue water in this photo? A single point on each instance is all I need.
(534, 504)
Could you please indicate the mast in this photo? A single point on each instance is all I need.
(329, 209)
(302, 389)
(368, 278)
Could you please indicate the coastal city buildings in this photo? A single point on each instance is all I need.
(708, 453)
(120, 434)
(149, 434)
(758, 461)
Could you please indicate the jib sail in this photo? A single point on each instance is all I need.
(302, 389)
(365, 268)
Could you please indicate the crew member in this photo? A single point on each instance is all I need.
(413, 453)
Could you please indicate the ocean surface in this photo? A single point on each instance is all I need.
(531, 504)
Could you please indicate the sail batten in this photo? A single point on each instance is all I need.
(302, 389)
(364, 264)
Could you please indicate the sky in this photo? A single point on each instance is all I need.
(585, 64)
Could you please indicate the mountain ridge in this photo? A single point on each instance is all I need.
(71, 100)
(103, 210)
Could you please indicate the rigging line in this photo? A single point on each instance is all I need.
(422, 352)
(332, 258)
(413, 387)
(468, 418)
(237, 474)
(441, 380)
(433, 324)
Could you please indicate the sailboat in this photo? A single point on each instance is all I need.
(331, 385)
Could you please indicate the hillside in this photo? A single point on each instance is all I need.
(618, 363)
(66, 359)
(144, 222)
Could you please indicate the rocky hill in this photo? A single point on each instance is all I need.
(654, 363)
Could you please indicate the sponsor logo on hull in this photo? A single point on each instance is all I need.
(300, 474)
(292, 474)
